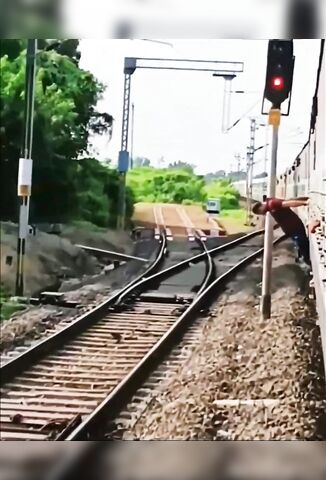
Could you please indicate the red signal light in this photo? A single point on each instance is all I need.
(277, 83)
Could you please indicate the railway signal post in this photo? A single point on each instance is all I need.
(279, 76)
(274, 120)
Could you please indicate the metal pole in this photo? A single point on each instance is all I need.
(25, 164)
(122, 200)
(238, 157)
(247, 187)
(274, 119)
(224, 105)
(123, 161)
(266, 144)
(226, 110)
(228, 106)
(132, 135)
(250, 166)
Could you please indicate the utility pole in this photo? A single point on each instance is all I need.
(250, 167)
(123, 160)
(132, 135)
(238, 160)
(24, 184)
(226, 108)
(227, 102)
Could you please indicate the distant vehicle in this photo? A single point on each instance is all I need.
(213, 206)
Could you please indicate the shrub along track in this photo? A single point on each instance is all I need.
(65, 386)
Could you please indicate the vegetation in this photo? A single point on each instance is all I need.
(66, 96)
(97, 193)
(166, 185)
(8, 306)
(237, 214)
(224, 190)
(179, 186)
(67, 184)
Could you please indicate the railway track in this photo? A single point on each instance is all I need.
(177, 223)
(64, 387)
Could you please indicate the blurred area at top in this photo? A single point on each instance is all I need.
(162, 18)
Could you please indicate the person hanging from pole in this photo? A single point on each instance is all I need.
(288, 220)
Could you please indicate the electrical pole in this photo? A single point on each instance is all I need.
(227, 102)
(123, 160)
(24, 184)
(250, 167)
(226, 108)
(238, 160)
(132, 135)
(274, 119)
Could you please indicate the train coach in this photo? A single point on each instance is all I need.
(259, 188)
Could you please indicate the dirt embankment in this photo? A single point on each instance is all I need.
(51, 258)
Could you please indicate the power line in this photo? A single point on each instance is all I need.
(243, 116)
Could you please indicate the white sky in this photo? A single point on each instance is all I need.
(178, 114)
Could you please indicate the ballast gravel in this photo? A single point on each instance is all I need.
(28, 327)
(245, 379)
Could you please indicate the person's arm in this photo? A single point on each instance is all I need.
(296, 202)
(273, 204)
(299, 198)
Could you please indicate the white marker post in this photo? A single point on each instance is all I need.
(274, 119)
(24, 184)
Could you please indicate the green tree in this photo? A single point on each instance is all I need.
(65, 116)
(225, 191)
(166, 185)
(97, 191)
(179, 165)
(142, 162)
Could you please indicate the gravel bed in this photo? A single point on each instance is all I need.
(271, 370)
(36, 323)
(26, 328)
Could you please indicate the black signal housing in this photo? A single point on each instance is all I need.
(279, 73)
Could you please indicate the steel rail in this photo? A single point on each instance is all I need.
(208, 278)
(34, 383)
(114, 402)
(210, 265)
(156, 278)
(21, 362)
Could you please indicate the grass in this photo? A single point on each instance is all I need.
(234, 220)
(238, 214)
(7, 306)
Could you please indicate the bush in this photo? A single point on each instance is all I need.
(98, 187)
(166, 185)
(224, 190)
